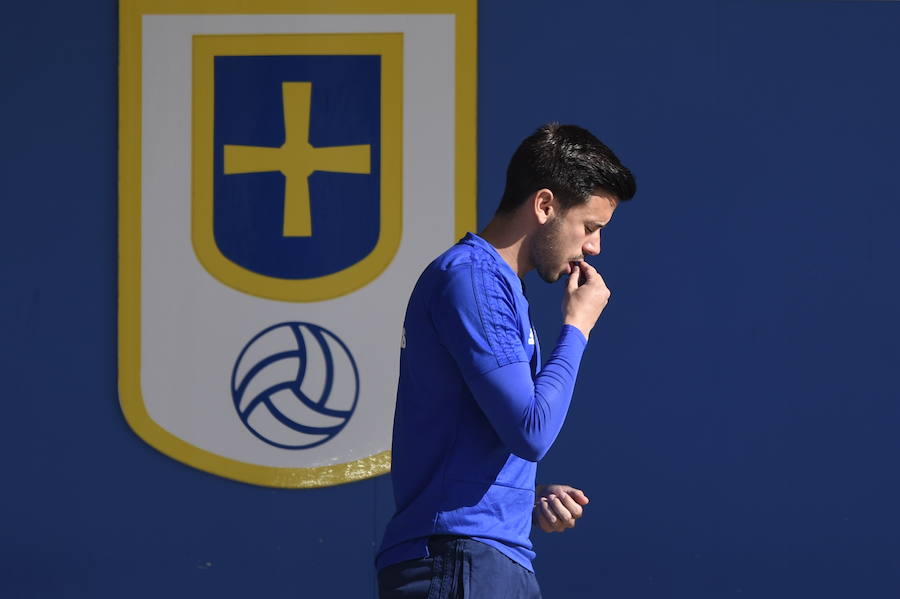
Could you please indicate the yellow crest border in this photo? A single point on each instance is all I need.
(130, 69)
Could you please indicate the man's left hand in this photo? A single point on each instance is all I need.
(557, 507)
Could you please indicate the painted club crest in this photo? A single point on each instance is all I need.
(284, 176)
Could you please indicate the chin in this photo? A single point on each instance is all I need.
(550, 277)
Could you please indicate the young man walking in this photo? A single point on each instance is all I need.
(475, 410)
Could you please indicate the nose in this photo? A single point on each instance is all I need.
(592, 246)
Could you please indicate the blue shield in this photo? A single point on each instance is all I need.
(297, 190)
(342, 208)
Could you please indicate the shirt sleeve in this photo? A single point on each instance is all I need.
(528, 415)
(475, 318)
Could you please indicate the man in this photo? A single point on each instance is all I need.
(475, 410)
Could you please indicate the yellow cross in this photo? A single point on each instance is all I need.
(297, 159)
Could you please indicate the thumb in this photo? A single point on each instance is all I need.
(572, 283)
(579, 496)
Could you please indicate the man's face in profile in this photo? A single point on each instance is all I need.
(570, 235)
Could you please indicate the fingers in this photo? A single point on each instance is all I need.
(562, 511)
(587, 275)
(557, 513)
(587, 266)
(579, 496)
(546, 519)
(559, 508)
(572, 283)
(570, 506)
(590, 273)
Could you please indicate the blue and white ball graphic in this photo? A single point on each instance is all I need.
(295, 385)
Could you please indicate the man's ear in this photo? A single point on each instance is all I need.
(545, 206)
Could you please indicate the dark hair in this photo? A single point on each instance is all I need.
(570, 162)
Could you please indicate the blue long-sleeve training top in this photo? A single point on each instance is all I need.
(475, 411)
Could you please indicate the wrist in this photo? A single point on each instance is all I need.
(584, 330)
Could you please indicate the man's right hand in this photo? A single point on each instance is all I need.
(585, 297)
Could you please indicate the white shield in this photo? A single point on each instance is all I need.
(265, 380)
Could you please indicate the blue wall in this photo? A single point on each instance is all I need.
(736, 420)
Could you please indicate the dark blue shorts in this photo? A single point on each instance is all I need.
(459, 567)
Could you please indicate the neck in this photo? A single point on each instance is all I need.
(510, 241)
